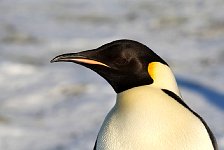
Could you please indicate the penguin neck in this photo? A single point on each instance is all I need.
(163, 77)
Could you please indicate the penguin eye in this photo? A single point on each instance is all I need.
(121, 61)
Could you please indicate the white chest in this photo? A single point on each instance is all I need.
(147, 118)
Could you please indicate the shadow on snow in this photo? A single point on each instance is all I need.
(213, 97)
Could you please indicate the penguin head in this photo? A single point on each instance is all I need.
(125, 64)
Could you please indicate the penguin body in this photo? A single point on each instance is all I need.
(149, 112)
(163, 123)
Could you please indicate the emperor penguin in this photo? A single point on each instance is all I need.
(149, 113)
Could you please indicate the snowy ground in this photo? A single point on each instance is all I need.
(47, 106)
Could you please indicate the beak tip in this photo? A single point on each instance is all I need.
(54, 60)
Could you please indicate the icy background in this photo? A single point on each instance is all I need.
(58, 106)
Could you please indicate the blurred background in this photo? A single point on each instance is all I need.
(58, 106)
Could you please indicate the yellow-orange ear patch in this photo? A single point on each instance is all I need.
(151, 70)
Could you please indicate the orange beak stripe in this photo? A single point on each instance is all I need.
(89, 61)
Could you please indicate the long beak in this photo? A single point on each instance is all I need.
(77, 58)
